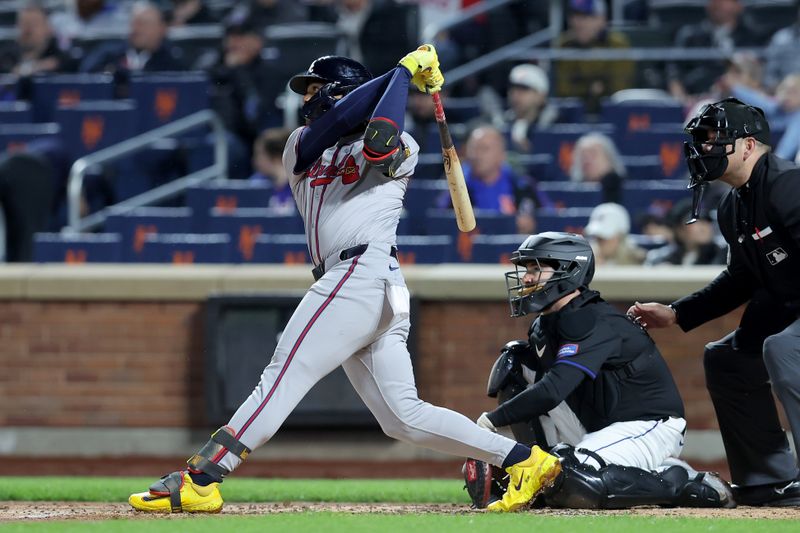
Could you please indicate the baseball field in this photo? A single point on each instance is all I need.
(99, 504)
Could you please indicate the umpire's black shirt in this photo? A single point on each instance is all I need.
(607, 369)
(761, 223)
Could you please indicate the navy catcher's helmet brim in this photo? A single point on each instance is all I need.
(300, 83)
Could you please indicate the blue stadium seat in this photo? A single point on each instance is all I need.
(495, 248)
(16, 137)
(91, 126)
(652, 195)
(54, 91)
(422, 195)
(425, 249)
(289, 249)
(404, 225)
(643, 167)
(633, 116)
(559, 140)
(664, 141)
(572, 219)
(15, 112)
(8, 87)
(571, 110)
(228, 195)
(572, 194)
(135, 226)
(163, 97)
(443, 222)
(186, 248)
(429, 167)
(77, 249)
(244, 225)
(460, 110)
(537, 165)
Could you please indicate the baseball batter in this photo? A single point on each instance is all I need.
(350, 166)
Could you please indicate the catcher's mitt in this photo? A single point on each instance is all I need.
(484, 483)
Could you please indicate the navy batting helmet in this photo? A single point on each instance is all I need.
(339, 75)
(571, 257)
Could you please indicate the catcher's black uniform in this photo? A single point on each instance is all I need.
(761, 223)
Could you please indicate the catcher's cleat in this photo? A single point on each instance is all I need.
(527, 479)
(176, 493)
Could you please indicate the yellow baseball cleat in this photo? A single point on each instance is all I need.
(528, 479)
(175, 493)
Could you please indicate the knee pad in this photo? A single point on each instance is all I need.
(383, 148)
(204, 460)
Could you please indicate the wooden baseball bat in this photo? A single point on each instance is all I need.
(465, 217)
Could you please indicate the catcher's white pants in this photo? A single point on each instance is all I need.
(357, 316)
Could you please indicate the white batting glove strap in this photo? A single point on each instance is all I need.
(485, 423)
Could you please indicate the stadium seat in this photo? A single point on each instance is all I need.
(164, 97)
(494, 249)
(571, 110)
(665, 141)
(461, 110)
(443, 222)
(93, 125)
(421, 196)
(643, 167)
(135, 226)
(186, 248)
(559, 141)
(15, 112)
(572, 194)
(670, 15)
(15, 137)
(632, 117)
(572, 219)
(286, 249)
(424, 249)
(652, 195)
(228, 195)
(77, 249)
(244, 225)
(55, 91)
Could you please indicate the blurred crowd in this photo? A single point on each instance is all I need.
(517, 99)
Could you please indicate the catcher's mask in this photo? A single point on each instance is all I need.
(567, 255)
(338, 74)
(714, 131)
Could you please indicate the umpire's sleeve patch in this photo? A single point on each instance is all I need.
(567, 350)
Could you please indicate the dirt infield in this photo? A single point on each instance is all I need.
(15, 511)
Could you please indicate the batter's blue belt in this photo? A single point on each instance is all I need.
(348, 253)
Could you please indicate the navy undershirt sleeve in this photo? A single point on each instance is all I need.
(387, 93)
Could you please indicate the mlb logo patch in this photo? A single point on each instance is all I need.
(567, 350)
(776, 256)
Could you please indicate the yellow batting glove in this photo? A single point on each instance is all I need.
(422, 58)
(433, 80)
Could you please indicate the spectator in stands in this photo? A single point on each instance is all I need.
(654, 226)
(243, 91)
(727, 27)
(190, 12)
(269, 169)
(596, 159)
(694, 244)
(781, 54)
(265, 13)
(586, 79)
(35, 49)
(527, 105)
(87, 17)
(744, 70)
(491, 182)
(364, 24)
(608, 232)
(146, 50)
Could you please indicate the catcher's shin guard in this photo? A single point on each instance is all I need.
(205, 460)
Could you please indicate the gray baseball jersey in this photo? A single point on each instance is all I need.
(356, 315)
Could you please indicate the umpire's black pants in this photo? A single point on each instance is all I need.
(742, 370)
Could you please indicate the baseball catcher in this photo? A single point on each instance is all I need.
(591, 386)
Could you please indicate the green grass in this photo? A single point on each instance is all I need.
(117, 489)
(356, 523)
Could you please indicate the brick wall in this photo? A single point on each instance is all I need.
(108, 364)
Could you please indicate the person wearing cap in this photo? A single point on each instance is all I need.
(608, 232)
(759, 218)
(528, 108)
(588, 79)
(693, 244)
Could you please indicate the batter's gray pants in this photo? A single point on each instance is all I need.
(741, 384)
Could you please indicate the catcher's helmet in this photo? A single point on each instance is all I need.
(714, 131)
(569, 254)
(339, 75)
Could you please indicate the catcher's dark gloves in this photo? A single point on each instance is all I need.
(484, 483)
